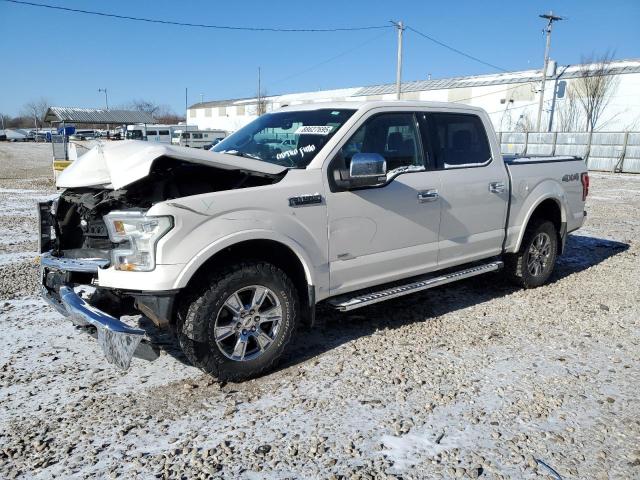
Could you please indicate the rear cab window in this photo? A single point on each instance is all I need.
(457, 140)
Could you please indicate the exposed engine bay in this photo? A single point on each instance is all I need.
(80, 231)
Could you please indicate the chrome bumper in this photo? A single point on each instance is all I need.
(118, 340)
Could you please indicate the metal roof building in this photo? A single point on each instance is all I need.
(525, 76)
(96, 116)
(507, 97)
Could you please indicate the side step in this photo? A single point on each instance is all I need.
(345, 303)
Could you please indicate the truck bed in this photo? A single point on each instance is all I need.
(536, 178)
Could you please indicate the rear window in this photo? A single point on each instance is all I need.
(459, 140)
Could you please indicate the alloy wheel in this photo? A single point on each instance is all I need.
(248, 323)
(539, 254)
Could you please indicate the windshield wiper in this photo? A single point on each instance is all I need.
(241, 154)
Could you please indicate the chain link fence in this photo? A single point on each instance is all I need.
(605, 151)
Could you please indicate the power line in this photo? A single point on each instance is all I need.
(335, 57)
(453, 49)
(197, 25)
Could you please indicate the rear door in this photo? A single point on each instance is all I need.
(383, 233)
(474, 188)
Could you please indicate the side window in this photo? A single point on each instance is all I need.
(392, 135)
(458, 140)
(151, 133)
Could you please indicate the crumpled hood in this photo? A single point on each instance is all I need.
(119, 163)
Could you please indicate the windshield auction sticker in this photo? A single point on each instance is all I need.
(314, 130)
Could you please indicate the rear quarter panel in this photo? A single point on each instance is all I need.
(532, 183)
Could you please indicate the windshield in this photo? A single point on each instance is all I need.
(291, 139)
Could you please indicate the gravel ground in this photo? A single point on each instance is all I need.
(476, 379)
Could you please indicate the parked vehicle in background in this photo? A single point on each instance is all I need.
(17, 135)
(67, 130)
(213, 144)
(199, 138)
(158, 135)
(84, 135)
(152, 133)
(233, 248)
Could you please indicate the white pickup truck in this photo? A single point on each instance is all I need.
(233, 248)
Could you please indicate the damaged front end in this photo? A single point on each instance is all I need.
(91, 228)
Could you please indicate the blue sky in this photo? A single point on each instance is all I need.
(66, 57)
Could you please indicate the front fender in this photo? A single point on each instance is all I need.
(256, 234)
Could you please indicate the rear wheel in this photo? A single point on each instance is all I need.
(237, 324)
(533, 264)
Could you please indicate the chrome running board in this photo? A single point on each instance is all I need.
(345, 303)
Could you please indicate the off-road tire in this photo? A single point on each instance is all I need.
(516, 266)
(198, 311)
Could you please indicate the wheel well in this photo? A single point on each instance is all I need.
(549, 210)
(269, 251)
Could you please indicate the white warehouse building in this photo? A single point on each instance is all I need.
(511, 99)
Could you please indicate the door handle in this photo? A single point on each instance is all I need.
(428, 196)
(497, 187)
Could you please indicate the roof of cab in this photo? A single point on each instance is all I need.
(368, 105)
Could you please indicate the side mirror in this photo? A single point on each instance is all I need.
(367, 169)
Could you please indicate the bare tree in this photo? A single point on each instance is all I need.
(144, 106)
(160, 113)
(594, 87)
(167, 116)
(525, 123)
(569, 113)
(36, 110)
(633, 125)
(17, 122)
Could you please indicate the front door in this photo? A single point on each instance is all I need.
(380, 234)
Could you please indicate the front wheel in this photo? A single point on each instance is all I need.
(533, 264)
(237, 324)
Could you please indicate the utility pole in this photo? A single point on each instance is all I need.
(106, 98)
(259, 104)
(400, 26)
(550, 17)
(106, 102)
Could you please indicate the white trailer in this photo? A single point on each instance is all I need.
(152, 133)
(198, 138)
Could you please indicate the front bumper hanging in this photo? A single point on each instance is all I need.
(119, 341)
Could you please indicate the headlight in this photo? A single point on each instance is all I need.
(137, 235)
